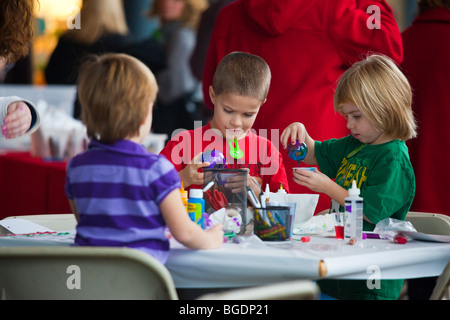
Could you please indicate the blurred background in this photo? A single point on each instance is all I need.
(54, 16)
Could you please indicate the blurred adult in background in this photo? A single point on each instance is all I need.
(103, 29)
(308, 45)
(204, 31)
(427, 66)
(17, 116)
(20, 72)
(179, 89)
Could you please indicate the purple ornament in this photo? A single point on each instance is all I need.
(214, 157)
(298, 151)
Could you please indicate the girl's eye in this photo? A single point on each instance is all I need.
(227, 110)
(249, 115)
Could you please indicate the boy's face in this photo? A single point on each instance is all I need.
(360, 126)
(234, 115)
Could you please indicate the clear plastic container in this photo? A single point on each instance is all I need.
(228, 191)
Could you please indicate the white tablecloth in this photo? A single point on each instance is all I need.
(253, 262)
(237, 265)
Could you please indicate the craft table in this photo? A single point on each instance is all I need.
(253, 262)
(30, 185)
(237, 265)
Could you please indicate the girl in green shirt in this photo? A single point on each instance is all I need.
(375, 98)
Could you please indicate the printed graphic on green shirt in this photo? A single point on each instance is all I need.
(349, 171)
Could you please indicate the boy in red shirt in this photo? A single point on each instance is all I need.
(239, 88)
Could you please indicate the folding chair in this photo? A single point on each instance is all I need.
(84, 273)
(442, 289)
(431, 223)
(293, 290)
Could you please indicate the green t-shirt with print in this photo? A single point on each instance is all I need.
(385, 177)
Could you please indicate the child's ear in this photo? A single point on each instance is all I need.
(212, 94)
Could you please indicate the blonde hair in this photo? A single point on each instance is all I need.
(191, 13)
(98, 17)
(115, 92)
(244, 74)
(383, 94)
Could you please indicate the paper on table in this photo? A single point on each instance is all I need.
(22, 226)
(426, 237)
(305, 203)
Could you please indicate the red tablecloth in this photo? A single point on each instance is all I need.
(30, 185)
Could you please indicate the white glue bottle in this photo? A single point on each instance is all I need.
(353, 214)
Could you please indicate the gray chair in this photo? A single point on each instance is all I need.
(293, 290)
(431, 223)
(439, 224)
(442, 289)
(84, 273)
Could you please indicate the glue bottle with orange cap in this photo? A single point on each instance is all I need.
(184, 195)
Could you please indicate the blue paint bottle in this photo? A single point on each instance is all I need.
(196, 206)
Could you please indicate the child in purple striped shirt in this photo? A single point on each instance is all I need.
(121, 194)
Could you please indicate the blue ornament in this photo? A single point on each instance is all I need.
(215, 158)
(298, 151)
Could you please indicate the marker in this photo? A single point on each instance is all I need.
(370, 235)
(253, 198)
(208, 186)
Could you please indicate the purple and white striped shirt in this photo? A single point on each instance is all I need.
(117, 189)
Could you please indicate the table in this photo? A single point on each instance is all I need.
(235, 265)
(30, 185)
(253, 262)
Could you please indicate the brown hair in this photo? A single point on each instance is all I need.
(16, 28)
(191, 14)
(383, 94)
(243, 74)
(115, 92)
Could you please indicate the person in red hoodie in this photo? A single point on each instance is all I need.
(427, 67)
(308, 45)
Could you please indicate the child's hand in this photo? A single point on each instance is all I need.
(216, 236)
(17, 120)
(316, 181)
(190, 175)
(295, 131)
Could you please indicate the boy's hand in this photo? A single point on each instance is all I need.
(237, 183)
(295, 131)
(190, 175)
(17, 120)
(316, 181)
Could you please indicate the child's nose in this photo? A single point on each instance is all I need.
(236, 121)
(350, 124)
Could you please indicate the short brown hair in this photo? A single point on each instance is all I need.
(382, 93)
(244, 74)
(115, 92)
(16, 28)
